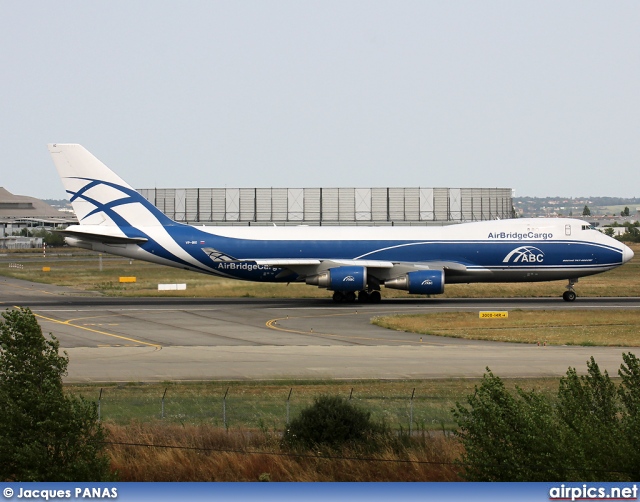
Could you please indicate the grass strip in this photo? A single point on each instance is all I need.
(620, 328)
(262, 405)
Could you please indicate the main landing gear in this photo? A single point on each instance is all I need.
(363, 296)
(570, 295)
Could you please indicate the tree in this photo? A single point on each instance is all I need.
(586, 211)
(589, 420)
(629, 392)
(626, 211)
(508, 438)
(45, 434)
(53, 239)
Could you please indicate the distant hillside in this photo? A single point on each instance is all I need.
(58, 203)
(534, 207)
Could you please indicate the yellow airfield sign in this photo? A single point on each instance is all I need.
(494, 315)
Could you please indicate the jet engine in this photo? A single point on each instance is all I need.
(420, 282)
(341, 279)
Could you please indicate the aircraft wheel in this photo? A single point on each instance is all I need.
(338, 296)
(363, 297)
(569, 296)
(375, 296)
(350, 297)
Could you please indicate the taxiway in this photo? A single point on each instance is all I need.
(158, 339)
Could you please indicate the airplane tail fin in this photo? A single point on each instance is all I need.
(98, 195)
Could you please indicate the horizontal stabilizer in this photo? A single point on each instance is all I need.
(104, 237)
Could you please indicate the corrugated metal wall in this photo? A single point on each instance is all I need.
(343, 206)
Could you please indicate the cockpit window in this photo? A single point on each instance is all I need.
(588, 227)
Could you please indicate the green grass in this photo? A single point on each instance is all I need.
(263, 405)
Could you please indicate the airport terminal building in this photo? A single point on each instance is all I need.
(332, 206)
(18, 212)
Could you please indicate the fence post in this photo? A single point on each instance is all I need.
(165, 393)
(100, 405)
(411, 410)
(351, 394)
(224, 408)
(288, 398)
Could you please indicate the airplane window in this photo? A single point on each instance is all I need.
(588, 227)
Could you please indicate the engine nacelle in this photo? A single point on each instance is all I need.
(420, 282)
(341, 279)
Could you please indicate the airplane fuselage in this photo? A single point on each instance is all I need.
(491, 251)
(116, 219)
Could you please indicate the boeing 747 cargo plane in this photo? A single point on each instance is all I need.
(353, 262)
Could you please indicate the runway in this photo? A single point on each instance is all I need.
(158, 339)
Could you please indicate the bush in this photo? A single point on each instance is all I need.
(45, 435)
(591, 432)
(332, 421)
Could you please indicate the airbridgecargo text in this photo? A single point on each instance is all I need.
(517, 235)
(232, 265)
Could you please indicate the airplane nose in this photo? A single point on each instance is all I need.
(627, 254)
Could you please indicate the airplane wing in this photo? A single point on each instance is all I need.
(311, 262)
(380, 264)
(444, 265)
(383, 270)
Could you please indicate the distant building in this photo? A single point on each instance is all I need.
(18, 212)
(332, 206)
(16, 242)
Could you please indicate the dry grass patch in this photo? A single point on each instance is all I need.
(556, 327)
(206, 453)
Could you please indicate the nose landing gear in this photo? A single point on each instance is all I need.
(570, 295)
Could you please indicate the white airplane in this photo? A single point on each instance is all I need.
(353, 262)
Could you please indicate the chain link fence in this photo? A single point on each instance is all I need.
(235, 408)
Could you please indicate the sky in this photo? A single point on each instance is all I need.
(539, 96)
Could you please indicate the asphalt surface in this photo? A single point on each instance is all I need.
(158, 339)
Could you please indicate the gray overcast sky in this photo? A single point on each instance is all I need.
(539, 96)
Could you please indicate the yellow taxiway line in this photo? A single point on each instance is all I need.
(113, 335)
(272, 324)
